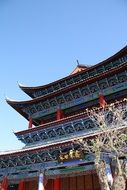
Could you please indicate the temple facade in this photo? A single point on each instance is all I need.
(57, 116)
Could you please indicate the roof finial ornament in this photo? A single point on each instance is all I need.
(77, 62)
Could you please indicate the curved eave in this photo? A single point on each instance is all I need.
(63, 120)
(122, 52)
(44, 147)
(35, 148)
(18, 105)
(53, 123)
(14, 103)
(28, 90)
(49, 146)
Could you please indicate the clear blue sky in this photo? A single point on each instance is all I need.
(40, 41)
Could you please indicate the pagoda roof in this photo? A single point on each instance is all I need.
(44, 153)
(34, 148)
(29, 89)
(37, 147)
(19, 105)
(79, 69)
(56, 122)
(53, 145)
(83, 114)
(34, 135)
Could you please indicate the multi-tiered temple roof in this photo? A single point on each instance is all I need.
(49, 142)
(76, 91)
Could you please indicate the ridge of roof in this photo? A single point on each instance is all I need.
(30, 88)
(79, 68)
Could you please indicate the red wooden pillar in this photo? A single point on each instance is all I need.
(4, 185)
(56, 184)
(30, 123)
(59, 114)
(102, 101)
(21, 185)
